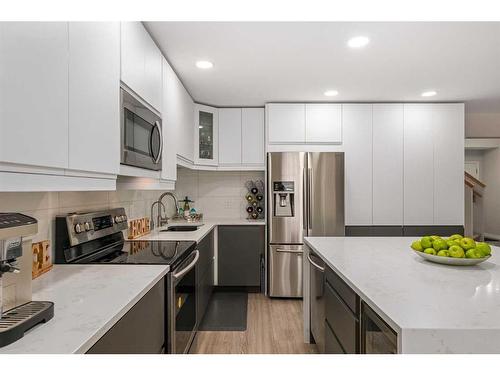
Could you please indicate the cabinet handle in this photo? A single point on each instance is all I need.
(321, 269)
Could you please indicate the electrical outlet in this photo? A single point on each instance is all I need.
(229, 204)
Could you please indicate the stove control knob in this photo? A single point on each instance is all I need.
(78, 228)
(118, 219)
(87, 226)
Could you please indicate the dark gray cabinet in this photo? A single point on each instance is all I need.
(205, 274)
(240, 248)
(351, 326)
(141, 330)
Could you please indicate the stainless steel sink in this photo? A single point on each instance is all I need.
(180, 228)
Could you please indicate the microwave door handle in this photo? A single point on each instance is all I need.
(158, 157)
(186, 269)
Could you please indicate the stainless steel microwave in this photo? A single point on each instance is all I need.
(141, 134)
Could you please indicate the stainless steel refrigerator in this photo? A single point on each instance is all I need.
(305, 198)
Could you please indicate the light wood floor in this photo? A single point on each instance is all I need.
(274, 326)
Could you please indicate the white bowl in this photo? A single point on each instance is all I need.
(451, 261)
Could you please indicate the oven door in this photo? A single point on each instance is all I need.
(182, 295)
(141, 135)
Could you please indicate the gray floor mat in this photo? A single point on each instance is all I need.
(227, 311)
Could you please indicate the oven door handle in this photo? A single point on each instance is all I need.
(160, 152)
(188, 268)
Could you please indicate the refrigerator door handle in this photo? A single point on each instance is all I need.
(304, 199)
(310, 197)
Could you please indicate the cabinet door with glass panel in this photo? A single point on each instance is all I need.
(205, 135)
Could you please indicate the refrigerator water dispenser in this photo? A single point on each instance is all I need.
(283, 193)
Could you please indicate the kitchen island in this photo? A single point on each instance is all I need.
(432, 308)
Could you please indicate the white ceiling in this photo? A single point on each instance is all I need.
(260, 62)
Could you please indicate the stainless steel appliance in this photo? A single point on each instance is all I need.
(376, 336)
(18, 313)
(141, 134)
(306, 198)
(317, 290)
(101, 242)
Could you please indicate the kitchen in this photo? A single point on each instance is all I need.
(251, 217)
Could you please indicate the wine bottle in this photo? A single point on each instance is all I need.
(249, 209)
(254, 190)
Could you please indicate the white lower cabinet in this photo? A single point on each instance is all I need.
(358, 140)
(388, 124)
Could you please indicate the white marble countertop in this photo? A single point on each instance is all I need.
(205, 227)
(89, 300)
(435, 308)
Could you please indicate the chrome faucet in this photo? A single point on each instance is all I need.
(163, 219)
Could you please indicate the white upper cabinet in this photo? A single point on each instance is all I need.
(170, 121)
(252, 136)
(229, 136)
(141, 63)
(206, 134)
(388, 124)
(286, 123)
(419, 165)
(94, 96)
(34, 93)
(323, 123)
(449, 144)
(357, 123)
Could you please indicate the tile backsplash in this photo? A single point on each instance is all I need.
(216, 195)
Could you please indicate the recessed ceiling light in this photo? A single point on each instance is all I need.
(331, 93)
(204, 64)
(428, 93)
(358, 42)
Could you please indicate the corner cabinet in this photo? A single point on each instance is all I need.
(206, 133)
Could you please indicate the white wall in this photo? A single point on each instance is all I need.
(491, 177)
(482, 125)
(216, 194)
(476, 155)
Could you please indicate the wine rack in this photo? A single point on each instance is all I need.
(255, 199)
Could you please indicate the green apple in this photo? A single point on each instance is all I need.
(426, 242)
(467, 243)
(456, 252)
(430, 251)
(416, 245)
(452, 243)
(456, 237)
(484, 248)
(443, 253)
(439, 244)
(473, 253)
(434, 238)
